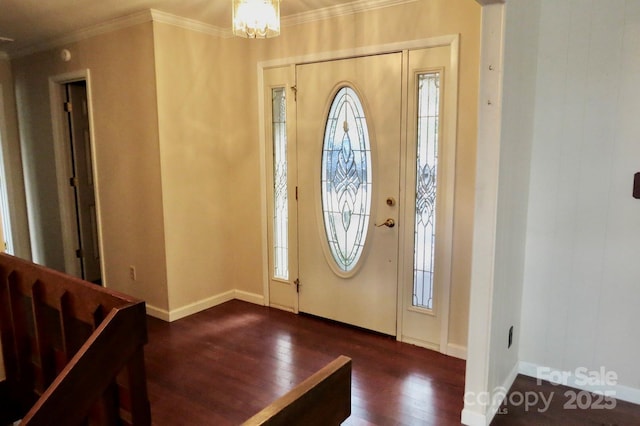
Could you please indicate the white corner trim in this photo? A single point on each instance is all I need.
(190, 24)
(499, 394)
(85, 33)
(339, 10)
(457, 351)
(497, 397)
(621, 392)
(471, 418)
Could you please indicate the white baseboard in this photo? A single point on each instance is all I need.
(245, 296)
(420, 343)
(282, 307)
(203, 304)
(457, 351)
(621, 392)
(157, 312)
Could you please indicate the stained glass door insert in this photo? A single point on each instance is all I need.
(426, 180)
(346, 179)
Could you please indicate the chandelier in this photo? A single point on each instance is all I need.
(256, 18)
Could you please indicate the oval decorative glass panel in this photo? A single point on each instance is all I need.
(346, 179)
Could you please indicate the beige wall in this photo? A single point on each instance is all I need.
(121, 64)
(202, 104)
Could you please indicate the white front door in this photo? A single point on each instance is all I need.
(353, 143)
(348, 144)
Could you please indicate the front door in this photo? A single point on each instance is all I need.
(348, 142)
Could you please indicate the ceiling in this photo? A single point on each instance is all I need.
(34, 22)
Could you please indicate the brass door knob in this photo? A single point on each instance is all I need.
(389, 223)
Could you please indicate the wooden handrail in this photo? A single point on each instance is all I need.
(324, 399)
(89, 373)
(72, 350)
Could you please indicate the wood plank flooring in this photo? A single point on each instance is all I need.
(220, 366)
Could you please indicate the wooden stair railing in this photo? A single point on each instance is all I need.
(73, 351)
(324, 399)
(73, 355)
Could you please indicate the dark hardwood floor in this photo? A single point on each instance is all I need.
(221, 366)
(550, 404)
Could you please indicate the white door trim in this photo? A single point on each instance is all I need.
(62, 155)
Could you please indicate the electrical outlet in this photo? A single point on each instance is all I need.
(510, 337)
(132, 273)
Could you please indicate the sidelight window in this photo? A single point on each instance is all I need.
(426, 182)
(280, 187)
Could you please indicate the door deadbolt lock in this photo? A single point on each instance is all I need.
(389, 223)
(391, 201)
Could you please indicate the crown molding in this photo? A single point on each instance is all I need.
(153, 15)
(85, 33)
(340, 10)
(189, 24)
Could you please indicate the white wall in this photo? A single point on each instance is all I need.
(582, 273)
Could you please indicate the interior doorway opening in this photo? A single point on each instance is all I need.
(81, 180)
(77, 186)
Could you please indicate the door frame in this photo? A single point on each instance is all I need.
(62, 153)
(453, 41)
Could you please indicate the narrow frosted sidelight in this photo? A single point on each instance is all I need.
(426, 181)
(280, 187)
(346, 179)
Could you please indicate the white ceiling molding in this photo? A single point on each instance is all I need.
(340, 10)
(85, 33)
(190, 24)
(193, 25)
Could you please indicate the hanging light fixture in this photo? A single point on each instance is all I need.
(256, 18)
